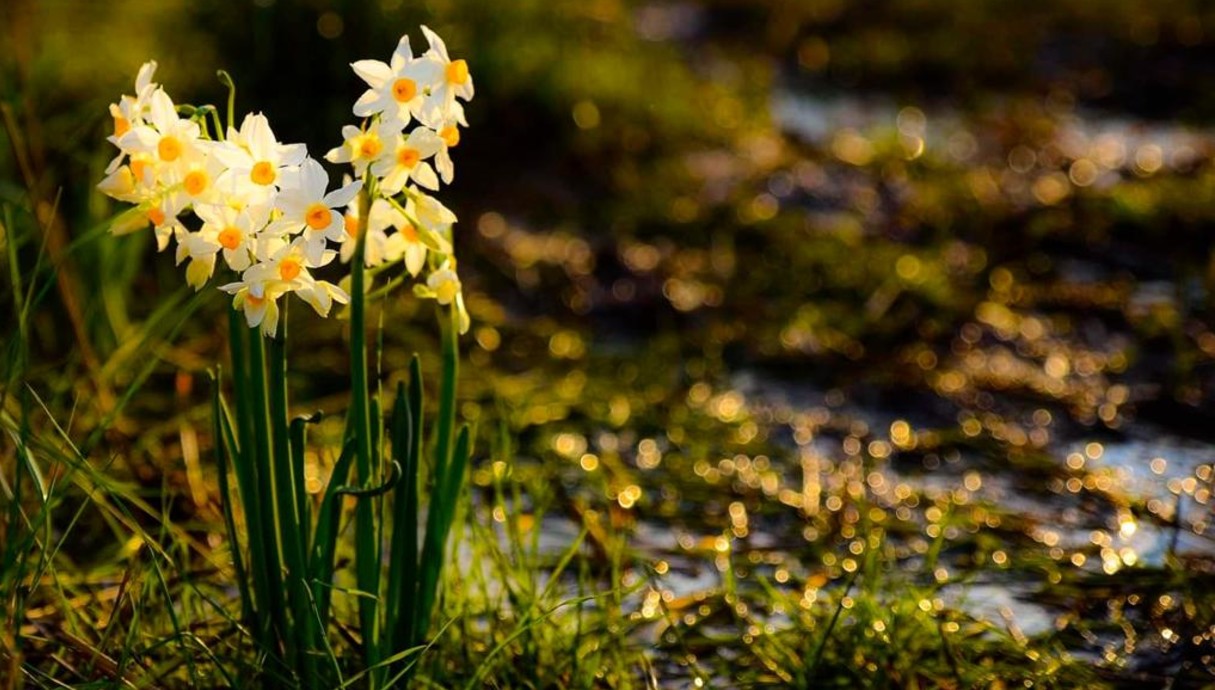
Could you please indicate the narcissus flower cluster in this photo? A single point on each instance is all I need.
(267, 210)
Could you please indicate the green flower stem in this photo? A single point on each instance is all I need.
(245, 463)
(367, 552)
(441, 497)
(287, 496)
(407, 449)
(259, 413)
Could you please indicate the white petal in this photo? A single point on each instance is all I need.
(164, 113)
(343, 195)
(425, 141)
(415, 258)
(367, 104)
(446, 168)
(292, 154)
(374, 72)
(144, 79)
(394, 181)
(402, 55)
(340, 154)
(314, 246)
(424, 175)
(437, 46)
(313, 179)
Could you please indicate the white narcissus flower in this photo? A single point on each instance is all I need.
(408, 162)
(443, 285)
(259, 302)
(286, 270)
(434, 220)
(398, 90)
(449, 138)
(363, 147)
(383, 247)
(406, 244)
(196, 179)
(201, 253)
(234, 231)
(305, 205)
(134, 182)
(256, 160)
(162, 216)
(129, 110)
(321, 295)
(165, 137)
(287, 263)
(441, 104)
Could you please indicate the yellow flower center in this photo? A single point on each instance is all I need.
(253, 300)
(410, 232)
(156, 217)
(407, 157)
(169, 149)
(352, 225)
(196, 182)
(263, 173)
(318, 216)
(121, 125)
(369, 146)
(289, 268)
(404, 90)
(450, 136)
(230, 237)
(457, 72)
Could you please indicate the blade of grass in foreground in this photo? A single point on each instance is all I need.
(221, 462)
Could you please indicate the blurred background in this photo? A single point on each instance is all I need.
(749, 277)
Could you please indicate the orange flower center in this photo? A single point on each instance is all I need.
(231, 237)
(369, 146)
(457, 72)
(138, 167)
(253, 300)
(196, 182)
(404, 90)
(407, 157)
(410, 232)
(318, 216)
(289, 268)
(121, 125)
(263, 173)
(169, 149)
(450, 136)
(156, 217)
(352, 225)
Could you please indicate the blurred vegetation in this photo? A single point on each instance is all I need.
(807, 319)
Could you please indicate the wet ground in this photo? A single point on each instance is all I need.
(975, 340)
